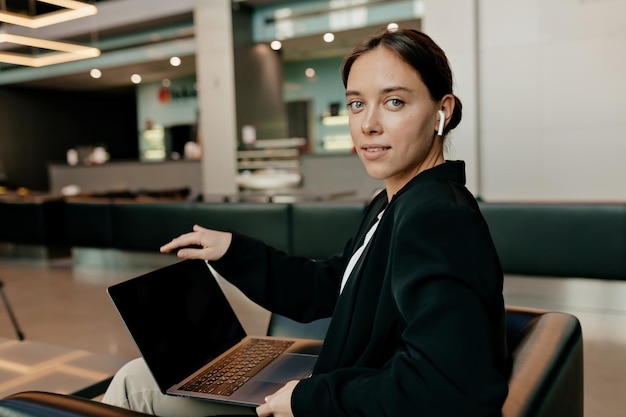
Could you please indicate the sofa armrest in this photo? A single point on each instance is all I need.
(40, 404)
(546, 349)
(46, 404)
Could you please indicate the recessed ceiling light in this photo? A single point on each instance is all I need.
(175, 61)
(135, 78)
(309, 72)
(329, 37)
(95, 73)
(276, 45)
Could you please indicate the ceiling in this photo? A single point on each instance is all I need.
(303, 48)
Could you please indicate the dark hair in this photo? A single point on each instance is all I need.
(419, 51)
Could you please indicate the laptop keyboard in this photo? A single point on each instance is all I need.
(231, 372)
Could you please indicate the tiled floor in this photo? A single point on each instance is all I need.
(27, 365)
(59, 304)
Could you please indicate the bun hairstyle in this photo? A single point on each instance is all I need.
(419, 51)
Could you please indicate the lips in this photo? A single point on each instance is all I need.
(374, 151)
(375, 148)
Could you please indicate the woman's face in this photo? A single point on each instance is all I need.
(393, 120)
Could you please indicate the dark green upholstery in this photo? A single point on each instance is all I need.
(320, 230)
(32, 222)
(579, 240)
(561, 240)
(147, 226)
(27, 223)
(89, 224)
(268, 222)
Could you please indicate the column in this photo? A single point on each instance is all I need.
(215, 73)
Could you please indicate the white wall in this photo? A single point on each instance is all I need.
(551, 92)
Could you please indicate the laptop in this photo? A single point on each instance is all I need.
(185, 329)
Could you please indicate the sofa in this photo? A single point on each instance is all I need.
(559, 239)
(538, 239)
(35, 222)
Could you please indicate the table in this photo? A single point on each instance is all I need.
(27, 366)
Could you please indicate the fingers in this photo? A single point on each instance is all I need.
(279, 403)
(189, 253)
(186, 239)
(263, 410)
(213, 244)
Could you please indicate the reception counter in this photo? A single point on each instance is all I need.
(131, 175)
(326, 174)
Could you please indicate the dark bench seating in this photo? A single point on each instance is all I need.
(88, 224)
(147, 226)
(34, 224)
(567, 240)
(314, 230)
(319, 230)
(37, 222)
(544, 239)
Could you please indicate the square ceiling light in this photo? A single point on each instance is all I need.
(64, 52)
(72, 10)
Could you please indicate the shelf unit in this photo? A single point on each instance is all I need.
(271, 154)
(270, 161)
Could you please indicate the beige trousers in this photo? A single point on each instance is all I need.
(133, 387)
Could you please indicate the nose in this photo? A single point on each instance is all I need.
(371, 122)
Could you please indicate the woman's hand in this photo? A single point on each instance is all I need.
(279, 403)
(213, 244)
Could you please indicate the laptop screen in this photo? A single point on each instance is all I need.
(178, 317)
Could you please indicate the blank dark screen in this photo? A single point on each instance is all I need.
(178, 317)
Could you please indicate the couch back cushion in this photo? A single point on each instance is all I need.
(88, 224)
(322, 229)
(578, 240)
(147, 226)
(267, 222)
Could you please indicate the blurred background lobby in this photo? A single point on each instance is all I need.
(241, 101)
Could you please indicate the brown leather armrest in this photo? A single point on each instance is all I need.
(43, 404)
(46, 404)
(547, 374)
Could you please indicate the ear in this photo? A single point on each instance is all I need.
(445, 106)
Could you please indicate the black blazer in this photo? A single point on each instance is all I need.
(419, 329)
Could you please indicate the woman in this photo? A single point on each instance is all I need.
(416, 296)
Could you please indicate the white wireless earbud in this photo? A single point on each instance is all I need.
(442, 119)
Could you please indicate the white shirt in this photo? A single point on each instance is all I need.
(359, 252)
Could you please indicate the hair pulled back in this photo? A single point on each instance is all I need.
(419, 51)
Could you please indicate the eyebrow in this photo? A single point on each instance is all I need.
(383, 91)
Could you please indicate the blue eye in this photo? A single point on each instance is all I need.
(355, 105)
(394, 102)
